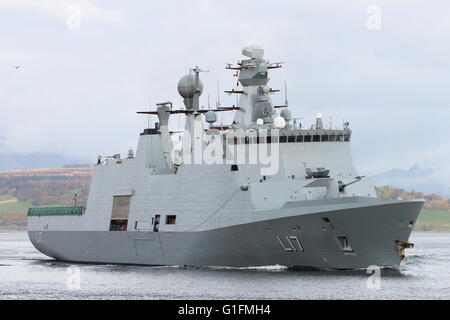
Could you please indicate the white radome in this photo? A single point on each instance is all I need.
(259, 122)
(279, 122)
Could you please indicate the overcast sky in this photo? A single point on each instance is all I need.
(77, 90)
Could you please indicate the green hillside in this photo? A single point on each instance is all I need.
(14, 207)
(433, 220)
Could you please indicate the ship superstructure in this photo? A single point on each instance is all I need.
(263, 190)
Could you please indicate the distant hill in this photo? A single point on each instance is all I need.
(22, 189)
(427, 180)
(19, 161)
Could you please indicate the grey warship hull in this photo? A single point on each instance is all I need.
(264, 190)
(304, 240)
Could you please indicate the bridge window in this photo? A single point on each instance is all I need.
(332, 137)
(340, 137)
(347, 137)
(299, 138)
(308, 138)
(316, 138)
(324, 137)
(291, 139)
(283, 139)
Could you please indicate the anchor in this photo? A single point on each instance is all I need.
(401, 246)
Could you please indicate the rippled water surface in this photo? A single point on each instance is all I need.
(27, 274)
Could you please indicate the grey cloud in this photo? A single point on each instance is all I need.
(78, 91)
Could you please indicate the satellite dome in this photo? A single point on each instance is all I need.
(286, 114)
(210, 117)
(279, 122)
(259, 122)
(186, 86)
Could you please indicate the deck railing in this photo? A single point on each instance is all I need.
(56, 211)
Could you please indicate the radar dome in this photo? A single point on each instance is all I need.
(259, 122)
(286, 114)
(279, 122)
(210, 117)
(186, 86)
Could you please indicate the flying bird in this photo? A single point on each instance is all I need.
(16, 67)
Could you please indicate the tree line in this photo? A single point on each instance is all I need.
(46, 189)
(433, 201)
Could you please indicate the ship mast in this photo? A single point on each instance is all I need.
(255, 101)
(190, 87)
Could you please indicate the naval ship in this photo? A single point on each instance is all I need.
(264, 190)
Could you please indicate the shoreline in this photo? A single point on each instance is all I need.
(431, 231)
